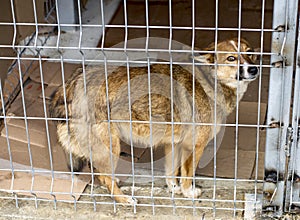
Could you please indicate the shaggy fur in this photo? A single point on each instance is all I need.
(99, 113)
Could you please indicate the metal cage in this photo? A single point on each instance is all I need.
(255, 171)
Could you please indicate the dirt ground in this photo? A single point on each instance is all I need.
(161, 207)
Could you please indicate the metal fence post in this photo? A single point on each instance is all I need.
(68, 14)
(279, 133)
(292, 203)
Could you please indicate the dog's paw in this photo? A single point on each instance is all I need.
(191, 192)
(127, 200)
(173, 186)
(131, 201)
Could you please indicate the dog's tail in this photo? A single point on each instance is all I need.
(60, 110)
(77, 162)
(61, 99)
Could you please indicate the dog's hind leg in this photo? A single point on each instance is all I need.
(116, 192)
(105, 159)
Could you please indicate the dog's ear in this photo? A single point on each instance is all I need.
(206, 57)
(256, 56)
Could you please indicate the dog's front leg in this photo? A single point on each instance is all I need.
(172, 167)
(190, 160)
(187, 172)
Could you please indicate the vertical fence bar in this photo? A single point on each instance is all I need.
(293, 186)
(215, 110)
(172, 100)
(281, 74)
(129, 102)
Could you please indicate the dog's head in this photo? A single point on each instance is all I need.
(234, 62)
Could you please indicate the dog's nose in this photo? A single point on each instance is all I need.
(252, 70)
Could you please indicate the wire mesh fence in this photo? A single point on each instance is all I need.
(145, 107)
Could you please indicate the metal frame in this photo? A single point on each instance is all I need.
(292, 203)
(278, 141)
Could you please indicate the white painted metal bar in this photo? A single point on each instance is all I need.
(129, 103)
(143, 27)
(215, 109)
(172, 100)
(283, 43)
(236, 142)
(68, 14)
(150, 103)
(293, 187)
(257, 198)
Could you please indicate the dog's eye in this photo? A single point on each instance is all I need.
(231, 58)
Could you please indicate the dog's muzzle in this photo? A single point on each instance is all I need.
(247, 73)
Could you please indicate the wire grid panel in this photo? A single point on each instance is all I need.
(171, 44)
